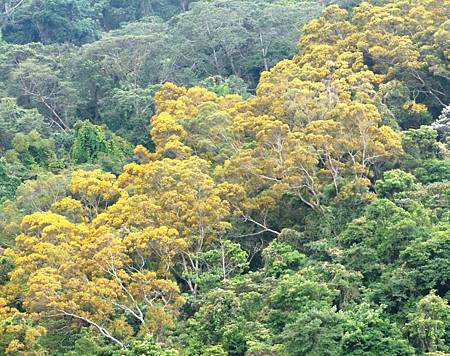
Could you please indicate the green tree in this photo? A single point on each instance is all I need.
(314, 332)
(368, 332)
(419, 145)
(433, 171)
(52, 21)
(146, 347)
(429, 324)
(14, 119)
(127, 111)
(395, 181)
(40, 86)
(96, 144)
(427, 258)
(8, 181)
(39, 194)
(33, 152)
(377, 238)
(295, 295)
(280, 257)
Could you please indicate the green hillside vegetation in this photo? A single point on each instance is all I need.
(240, 178)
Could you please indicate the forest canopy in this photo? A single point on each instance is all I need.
(225, 177)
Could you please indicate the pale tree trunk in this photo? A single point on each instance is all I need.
(100, 328)
(184, 4)
(8, 10)
(264, 51)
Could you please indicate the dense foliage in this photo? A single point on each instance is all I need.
(177, 179)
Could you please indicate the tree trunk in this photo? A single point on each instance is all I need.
(184, 5)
